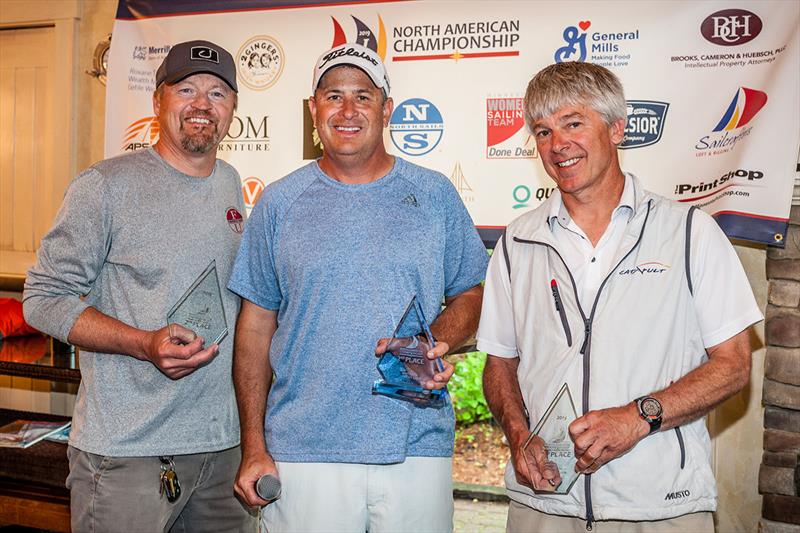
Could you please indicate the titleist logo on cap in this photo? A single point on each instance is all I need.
(204, 53)
(346, 52)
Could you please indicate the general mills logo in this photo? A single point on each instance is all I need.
(575, 47)
(644, 124)
(416, 127)
(731, 27)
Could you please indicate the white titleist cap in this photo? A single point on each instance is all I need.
(353, 55)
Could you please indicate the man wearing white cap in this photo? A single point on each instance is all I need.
(331, 257)
(154, 441)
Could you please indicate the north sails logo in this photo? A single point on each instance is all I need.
(650, 267)
(677, 495)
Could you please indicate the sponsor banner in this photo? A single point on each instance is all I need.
(711, 87)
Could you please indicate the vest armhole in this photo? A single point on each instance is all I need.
(505, 255)
(687, 252)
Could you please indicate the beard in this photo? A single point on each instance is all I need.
(200, 142)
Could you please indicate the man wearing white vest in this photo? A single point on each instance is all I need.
(637, 303)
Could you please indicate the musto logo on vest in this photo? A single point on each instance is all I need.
(416, 127)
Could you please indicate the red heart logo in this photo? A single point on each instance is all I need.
(584, 24)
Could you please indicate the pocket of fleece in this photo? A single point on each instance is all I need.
(12, 323)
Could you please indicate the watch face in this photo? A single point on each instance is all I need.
(651, 408)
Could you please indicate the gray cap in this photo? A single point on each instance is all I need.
(353, 55)
(195, 57)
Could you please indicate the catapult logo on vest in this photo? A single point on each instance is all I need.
(730, 129)
(607, 49)
(646, 268)
(416, 127)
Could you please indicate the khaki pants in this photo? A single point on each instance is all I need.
(523, 519)
(113, 494)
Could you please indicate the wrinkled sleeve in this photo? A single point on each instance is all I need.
(254, 276)
(496, 333)
(69, 258)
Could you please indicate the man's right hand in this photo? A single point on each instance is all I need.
(531, 466)
(177, 351)
(252, 467)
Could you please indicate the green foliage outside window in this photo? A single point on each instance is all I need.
(466, 389)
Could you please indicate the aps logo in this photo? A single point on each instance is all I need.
(141, 134)
(364, 36)
(416, 127)
(731, 27)
(644, 124)
(252, 187)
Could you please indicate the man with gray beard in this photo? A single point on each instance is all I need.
(155, 433)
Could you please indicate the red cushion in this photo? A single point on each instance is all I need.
(12, 323)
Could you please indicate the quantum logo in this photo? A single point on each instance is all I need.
(364, 36)
(141, 134)
(746, 103)
(644, 124)
(252, 188)
(416, 127)
(649, 267)
(506, 137)
(731, 27)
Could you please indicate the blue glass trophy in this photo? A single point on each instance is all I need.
(404, 366)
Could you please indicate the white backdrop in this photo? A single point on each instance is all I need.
(712, 89)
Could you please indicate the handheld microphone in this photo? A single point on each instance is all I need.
(268, 487)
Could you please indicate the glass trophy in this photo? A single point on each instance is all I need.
(404, 366)
(553, 429)
(200, 308)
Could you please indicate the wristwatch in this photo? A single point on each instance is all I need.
(650, 410)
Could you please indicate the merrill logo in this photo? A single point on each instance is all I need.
(346, 52)
(731, 27)
(677, 495)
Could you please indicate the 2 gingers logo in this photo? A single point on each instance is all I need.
(607, 49)
(259, 62)
(140, 134)
(745, 105)
(506, 136)
(364, 36)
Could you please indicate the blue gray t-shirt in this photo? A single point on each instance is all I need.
(340, 263)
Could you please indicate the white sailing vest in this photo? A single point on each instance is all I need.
(640, 334)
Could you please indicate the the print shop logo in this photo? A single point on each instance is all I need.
(689, 192)
(416, 127)
(746, 103)
(731, 27)
(363, 36)
(644, 124)
(140, 134)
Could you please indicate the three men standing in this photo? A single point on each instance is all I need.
(638, 303)
(331, 256)
(132, 235)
